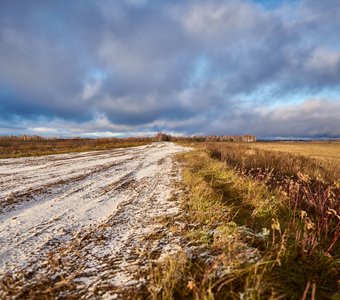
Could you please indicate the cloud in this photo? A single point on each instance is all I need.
(313, 118)
(324, 62)
(182, 66)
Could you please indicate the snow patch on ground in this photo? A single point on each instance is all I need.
(90, 215)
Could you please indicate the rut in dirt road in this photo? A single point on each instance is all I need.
(86, 216)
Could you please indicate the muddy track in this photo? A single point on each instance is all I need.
(87, 217)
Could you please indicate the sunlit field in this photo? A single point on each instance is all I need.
(327, 150)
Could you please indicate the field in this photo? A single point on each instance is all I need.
(319, 150)
(215, 220)
(11, 147)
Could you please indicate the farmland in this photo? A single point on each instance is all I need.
(319, 150)
(205, 220)
(23, 146)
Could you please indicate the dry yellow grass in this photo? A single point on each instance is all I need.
(319, 150)
(270, 235)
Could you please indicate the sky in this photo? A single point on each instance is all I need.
(186, 67)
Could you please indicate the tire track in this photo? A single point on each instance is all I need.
(30, 172)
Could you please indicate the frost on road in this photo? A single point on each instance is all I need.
(85, 224)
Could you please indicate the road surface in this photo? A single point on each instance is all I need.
(85, 224)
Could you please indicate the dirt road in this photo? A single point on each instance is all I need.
(85, 224)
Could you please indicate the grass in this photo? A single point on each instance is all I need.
(227, 247)
(12, 148)
(249, 158)
(264, 227)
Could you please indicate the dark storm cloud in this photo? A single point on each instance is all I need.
(313, 118)
(182, 66)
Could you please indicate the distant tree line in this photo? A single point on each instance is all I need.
(210, 138)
